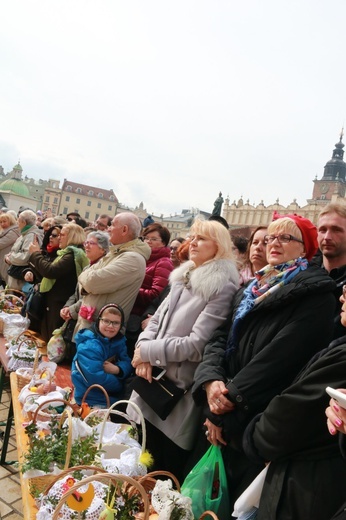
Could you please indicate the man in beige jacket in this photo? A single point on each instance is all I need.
(117, 277)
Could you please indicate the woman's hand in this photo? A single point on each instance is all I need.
(137, 360)
(29, 276)
(34, 247)
(216, 396)
(65, 313)
(214, 433)
(145, 370)
(336, 417)
(145, 322)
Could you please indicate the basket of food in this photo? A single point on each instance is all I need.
(165, 499)
(11, 302)
(54, 447)
(96, 496)
(43, 459)
(24, 375)
(49, 409)
(24, 353)
(118, 442)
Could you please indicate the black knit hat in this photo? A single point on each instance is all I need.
(112, 306)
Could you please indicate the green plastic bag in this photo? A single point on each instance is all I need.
(206, 485)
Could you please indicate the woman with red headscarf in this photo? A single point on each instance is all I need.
(280, 321)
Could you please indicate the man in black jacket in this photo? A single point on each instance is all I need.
(332, 243)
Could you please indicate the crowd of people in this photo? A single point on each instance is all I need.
(249, 330)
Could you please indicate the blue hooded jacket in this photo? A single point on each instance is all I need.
(93, 350)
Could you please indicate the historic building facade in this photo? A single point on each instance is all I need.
(14, 193)
(330, 188)
(88, 201)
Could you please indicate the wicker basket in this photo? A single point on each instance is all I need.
(148, 482)
(108, 478)
(25, 338)
(30, 344)
(10, 303)
(24, 375)
(69, 471)
(38, 484)
(115, 450)
(40, 414)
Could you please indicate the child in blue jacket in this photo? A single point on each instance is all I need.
(101, 358)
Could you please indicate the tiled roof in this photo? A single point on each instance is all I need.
(90, 191)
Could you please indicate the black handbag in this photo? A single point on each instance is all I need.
(161, 395)
(17, 271)
(67, 335)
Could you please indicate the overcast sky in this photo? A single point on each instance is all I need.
(170, 102)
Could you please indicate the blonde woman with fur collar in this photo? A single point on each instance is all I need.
(199, 302)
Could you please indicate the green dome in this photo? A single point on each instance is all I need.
(15, 186)
(18, 167)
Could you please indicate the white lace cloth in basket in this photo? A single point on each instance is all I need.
(127, 464)
(164, 498)
(127, 461)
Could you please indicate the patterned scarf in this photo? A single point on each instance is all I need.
(80, 261)
(266, 282)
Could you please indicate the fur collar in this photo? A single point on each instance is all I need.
(208, 279)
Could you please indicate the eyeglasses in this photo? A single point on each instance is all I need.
(90, 243)
(151, 239)
(110, 323)
(54, 236)
(282, 239)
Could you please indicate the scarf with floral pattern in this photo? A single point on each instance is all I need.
(267, 280)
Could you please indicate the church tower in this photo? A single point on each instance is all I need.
(333, 181)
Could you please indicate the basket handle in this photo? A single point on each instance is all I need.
(161, 473)
(67, 471)
(115, 479)
(22, 342)
(112, 409)
(42, 405)
(10, 291)
(208, 513)
(69, 435)
(28, 335)
(35, 365)
(108, 403)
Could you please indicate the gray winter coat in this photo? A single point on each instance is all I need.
(177, 334)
